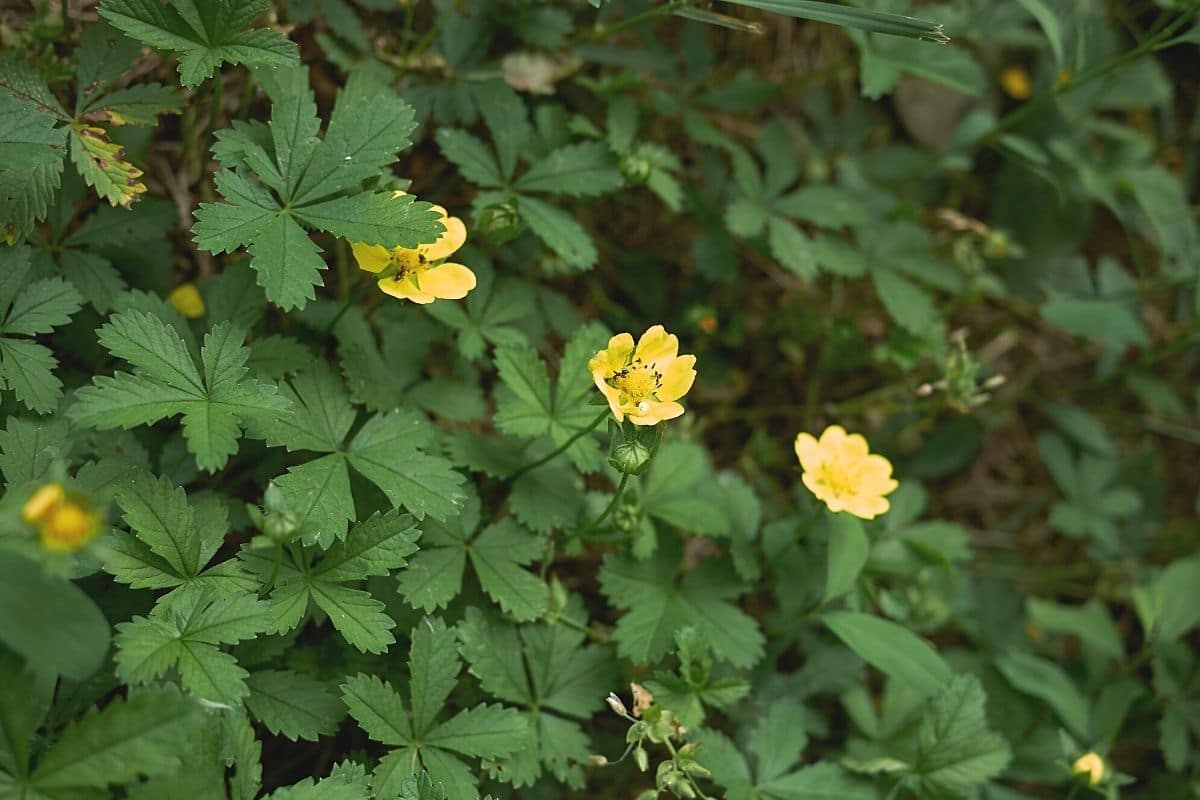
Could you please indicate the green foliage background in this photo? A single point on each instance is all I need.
(326, 573)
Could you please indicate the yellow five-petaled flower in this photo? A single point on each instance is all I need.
(421, 274)
(842, 472)
(64, 524)
(644, 382)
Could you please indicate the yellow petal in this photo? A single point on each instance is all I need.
(657, 345)
(832, 438)
(867, 507)
(808, 451)
(656, 413)
(41, 504)
(854, 447)
(454, 237)
(371, 257)
(447, 281)
(186, 299)
(405, 289)
(613, 396)
(678, 378)
(613, 357)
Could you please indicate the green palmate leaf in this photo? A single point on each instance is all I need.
(776, 749)
(370, 124)
(545, 669)
(695, 685)
(388, 451)
(680, 490)
(214, 398)
(956, 750)
(142, 735)
(531, 407)
(205, 33)
(186, 634)
(171, 541)
(498, 554)
(491, 314)
(30, 309)
(658, 605)
(293, 705)
(375, 546)
(890, 648)
(31, 163)
(484, 731)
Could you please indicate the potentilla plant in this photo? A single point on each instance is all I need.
(386, 386)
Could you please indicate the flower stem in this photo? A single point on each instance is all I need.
(616, 498)
(561, 448)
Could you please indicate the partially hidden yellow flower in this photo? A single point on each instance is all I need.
(41, 504)
(1016, 82)
(64, 524)
(1091, 766)
(421, 274)
(187, 300)
(842, 472)
(643, 382)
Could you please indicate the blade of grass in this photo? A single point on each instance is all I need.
(846, 16)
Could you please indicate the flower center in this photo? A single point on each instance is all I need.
(638, 382)
(839, 479)
(408, 262)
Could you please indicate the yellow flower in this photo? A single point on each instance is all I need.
(186, 299)
(64, 525)
(1016, 82)
(1092, 766)
(643, 382)
(416, 274)
(841, 471)
(69, 528)
(41, 504)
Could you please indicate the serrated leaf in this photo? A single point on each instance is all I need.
(103, 166)
(560, 232)
(32, 150)
(658, 605)
(956, 751)
(472, 157)
(293, 705)
(585, 169)
(205, 33)
(141, 735)
(167, 382)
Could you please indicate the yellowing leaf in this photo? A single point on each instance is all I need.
(102, 164)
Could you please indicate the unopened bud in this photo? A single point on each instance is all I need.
(597, 760)
(616, 705)
(630, 456)
(500, 222)
(1090, 765)
(635, 168)
(640, 757)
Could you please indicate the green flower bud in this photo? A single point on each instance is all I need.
(500, 222)
(635, 168)
(281, 526)
(643, 760)
(630, 456)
